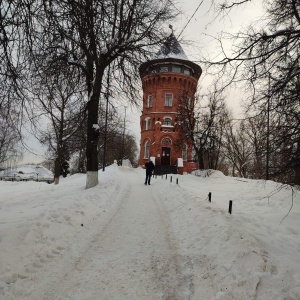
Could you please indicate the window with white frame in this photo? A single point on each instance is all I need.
(149, 101)
(168, 99)
(147, 150)
(167, 121)
(148, 123)
(184, 152)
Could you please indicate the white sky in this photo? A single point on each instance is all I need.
(198, 32)
(126, 241)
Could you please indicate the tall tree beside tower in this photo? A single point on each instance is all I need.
(91, 35)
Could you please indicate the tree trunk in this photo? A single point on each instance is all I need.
(200, 160)
(297, 167)
(57, 169)
(93, 131)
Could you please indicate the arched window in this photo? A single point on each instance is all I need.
(167, 121)
(166, 142)
(147, 150)
(184, 152)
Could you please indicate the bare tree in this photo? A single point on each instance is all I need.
(92, 35)
(202, 123)
(59, 103)
(9, 136)
(265, 58)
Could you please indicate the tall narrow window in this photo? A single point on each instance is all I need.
(184, 152)
(148, 123)
(147, 150)
(150, 101)
(168, 99)
(188, 102)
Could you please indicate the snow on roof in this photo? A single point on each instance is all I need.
(171, 49)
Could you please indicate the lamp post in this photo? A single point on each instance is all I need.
(105, 134)
(123, 143)
(268, 130)
(105, 126)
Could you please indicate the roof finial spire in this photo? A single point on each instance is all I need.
(171, 27)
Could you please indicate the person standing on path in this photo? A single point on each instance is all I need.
(149, 169)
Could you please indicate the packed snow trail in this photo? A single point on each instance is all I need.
(133, 256)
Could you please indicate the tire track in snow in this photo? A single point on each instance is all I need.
(135, 254)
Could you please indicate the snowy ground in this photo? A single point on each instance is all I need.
(124, 240)
(27, 172)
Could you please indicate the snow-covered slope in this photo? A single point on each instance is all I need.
(125, 240)
(27, 172)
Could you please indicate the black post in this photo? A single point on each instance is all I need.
(171, 179)
(166, 176)
(230, 206)
(176, 180)
(209, 196)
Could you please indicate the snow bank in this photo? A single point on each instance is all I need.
(47, 230)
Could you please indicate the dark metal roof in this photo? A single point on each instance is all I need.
(170, 52)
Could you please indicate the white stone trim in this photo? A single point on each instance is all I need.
(91, 179)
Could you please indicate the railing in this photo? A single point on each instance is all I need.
(161, 170)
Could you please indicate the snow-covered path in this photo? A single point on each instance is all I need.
(124, 240)
(133, 256)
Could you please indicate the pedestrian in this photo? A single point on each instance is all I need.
(149, 169)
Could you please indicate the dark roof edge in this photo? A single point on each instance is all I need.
(194, 66)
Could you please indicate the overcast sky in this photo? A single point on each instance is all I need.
(197, 41)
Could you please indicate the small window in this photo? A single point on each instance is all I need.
(188, 102)
(148, 124)
(147, 150)
(187, 71)
(149, 101)
(167, 121)
(168, 99)
(164, 69)
(176, 68)
(184, 152)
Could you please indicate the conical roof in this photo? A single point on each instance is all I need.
(170, 52)
(171, 49)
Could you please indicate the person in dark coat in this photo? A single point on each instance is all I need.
(149, 166)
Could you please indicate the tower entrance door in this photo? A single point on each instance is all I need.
(165, 156)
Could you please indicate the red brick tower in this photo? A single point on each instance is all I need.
(166, 80)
